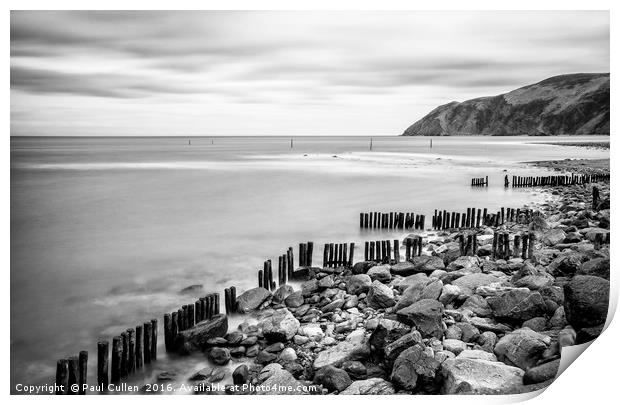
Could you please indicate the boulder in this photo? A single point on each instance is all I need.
(281, 293)
(405, 268)
(477, 305)
(426, 316)
(380, 273)
(553, 236)
(476, 376)
(432, 290)
(371, 386)
(419, 280)
(468, 283)
(362, 267)
(359, 283)
(311, 330)
(295, 300)
(219, 355)
(197, 337)
(395, 348)
(522, 348)
(414, 368)
(543, 372)
(596, 267)
(380, 296)
(241, 375)
(537, 324)
(517, 305)
(566, 264)
(354, 347)
(281, 326)
(454, 345)
(326, 282)
(273, 375)
(309, 287)
(332, 378)
(427, 264)
(463, 262)
(449, 293)
(477, 354)
(252, 299)
(586, 300)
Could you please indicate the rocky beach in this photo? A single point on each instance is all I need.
(442, 323)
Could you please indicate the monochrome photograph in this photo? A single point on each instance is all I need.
(281, 202)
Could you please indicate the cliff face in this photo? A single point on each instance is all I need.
(562, 105)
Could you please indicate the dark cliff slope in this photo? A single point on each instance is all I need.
(569, 104)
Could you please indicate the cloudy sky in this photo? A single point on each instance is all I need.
(279, 73)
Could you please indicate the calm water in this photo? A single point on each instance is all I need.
(105, 231)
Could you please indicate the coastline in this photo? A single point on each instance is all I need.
(444, 322)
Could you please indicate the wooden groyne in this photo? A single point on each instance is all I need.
(391, 220)
(475, 218)
(480, 181)
(557, 180)
(338, 254)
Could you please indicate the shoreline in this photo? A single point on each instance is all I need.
(413, 327)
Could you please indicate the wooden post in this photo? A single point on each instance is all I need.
(227, 299)
(506, 246)
(125, 357)
(148, 332)
(139, 354)
(345, 255)
(475, 244)
(190, 315)
(407, 248)
(280, 270)
(216, 303)
(131, 359)
(174, 328)
(265, 278)
(73, 374)
(103, 348)
(525, 246)
(154, 339)
(325, 255)
(366, 247)
(388, 251)
(62, 377)
(117, 356)
(309, 252)
(82, 371)
(396, 251)
(494, 245)
(351, 249)
(517, 245)
(260, 278)
(233, 299)
(372, 250)
(331, 255)
(532, 239)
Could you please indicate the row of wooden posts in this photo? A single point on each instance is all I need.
(391, 220)
(558, 180)
(71, 371)
(480, 181)
(523, 245)
(473, 218)
(131, 350)
(381, 250)
(338, 254)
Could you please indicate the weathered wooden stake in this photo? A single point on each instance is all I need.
(117, 357)
(154, 339)
(82, 371)
(148, 333)
(62, 376)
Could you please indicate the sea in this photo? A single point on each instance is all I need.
(107, 231)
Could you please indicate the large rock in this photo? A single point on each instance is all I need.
(197, 337)
(332, 378)
(522, 347)
(273, 375)
(517, 305)
(476, 376)
(586, 300)
(426, 316)
(281, 326)
(252, 299)
(543, 372)
(282, 293)
(359, 283)
(380, 273)
(596, 267)
(553, 236)
(362, 267)
(219, 355)
(566, 264)
(395, 348)
(468, 283)
(295, 300)
(418, 264)
(380, 296)
(413, 368)
(371, 386)
(419, 280)
(354, 347)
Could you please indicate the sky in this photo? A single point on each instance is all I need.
(215, 73)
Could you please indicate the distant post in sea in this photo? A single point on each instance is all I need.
(431, 143)
(370, 143)
(291, 143)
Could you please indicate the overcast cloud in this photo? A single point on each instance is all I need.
(279, 73)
